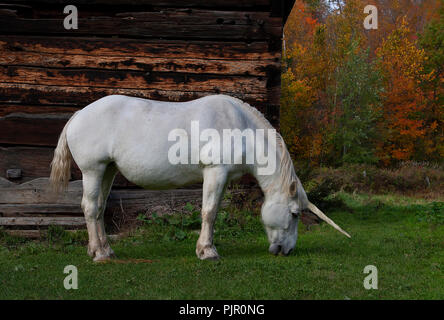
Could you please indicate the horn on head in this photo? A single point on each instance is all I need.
(321, 215)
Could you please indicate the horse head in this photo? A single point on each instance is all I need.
(280, 212)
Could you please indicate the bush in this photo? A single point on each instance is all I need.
(410, 179)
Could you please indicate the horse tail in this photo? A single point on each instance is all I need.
(61, 163)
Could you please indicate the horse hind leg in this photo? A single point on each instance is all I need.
(107, 183)
(93, 204)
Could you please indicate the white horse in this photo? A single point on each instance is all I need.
(133, 136)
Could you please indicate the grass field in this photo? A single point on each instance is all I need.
(402, 237)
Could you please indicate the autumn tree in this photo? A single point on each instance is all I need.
(432, 41)
(355, 97)
(402, 64)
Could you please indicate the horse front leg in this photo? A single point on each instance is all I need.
(215, 179)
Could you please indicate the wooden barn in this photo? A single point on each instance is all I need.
(165, 50)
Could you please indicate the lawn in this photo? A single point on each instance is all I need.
(402, 237)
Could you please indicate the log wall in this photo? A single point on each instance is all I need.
(164, 50)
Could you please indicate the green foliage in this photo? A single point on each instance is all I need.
(173, 227)
(355, 99)
(57, 235)
(10, 241)
(432, 41)
(433, 213)
(186, 225)
(417, 180)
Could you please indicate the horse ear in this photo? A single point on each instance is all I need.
(293, 188)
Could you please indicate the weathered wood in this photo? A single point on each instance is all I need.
(189, 17)
(169, 81)
(8, 109)
(162, 3)
(8, 210)
(34, 129)
(121, 63)
(82, 96)
(115, 47)
(43, 221)
(6, 183)
(163, 24)
(34, 163)
(38, 192)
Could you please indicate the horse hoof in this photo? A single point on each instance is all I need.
(102, 257)
(209, 253)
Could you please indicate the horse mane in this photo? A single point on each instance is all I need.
(287, 173)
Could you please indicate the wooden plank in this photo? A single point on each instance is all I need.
(170, 81)
(43, 221)
(190, 17)
(8, 210)
(38, 196)
(8, 109)
(37, 192)
(115, 47)
(27, 129)
(150, 25)
(81, 96)
(34, 163)
(4, 183)
(162, 3)
(155, 64)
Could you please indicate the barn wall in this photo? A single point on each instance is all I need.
(150, 49)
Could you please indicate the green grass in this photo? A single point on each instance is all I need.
(403, 238)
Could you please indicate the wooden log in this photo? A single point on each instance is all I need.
(34, 163)
(38, 192)
(8, 109)
(35, 192)
(116, 47)
(13, 210)
(155, 64)
(153, 25)
(265, 4)
(81, 96)
(169, 81)
(190, 17)
(43, 221)
(6, 183)
(27, 129)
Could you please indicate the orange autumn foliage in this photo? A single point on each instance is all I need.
(402, 65)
